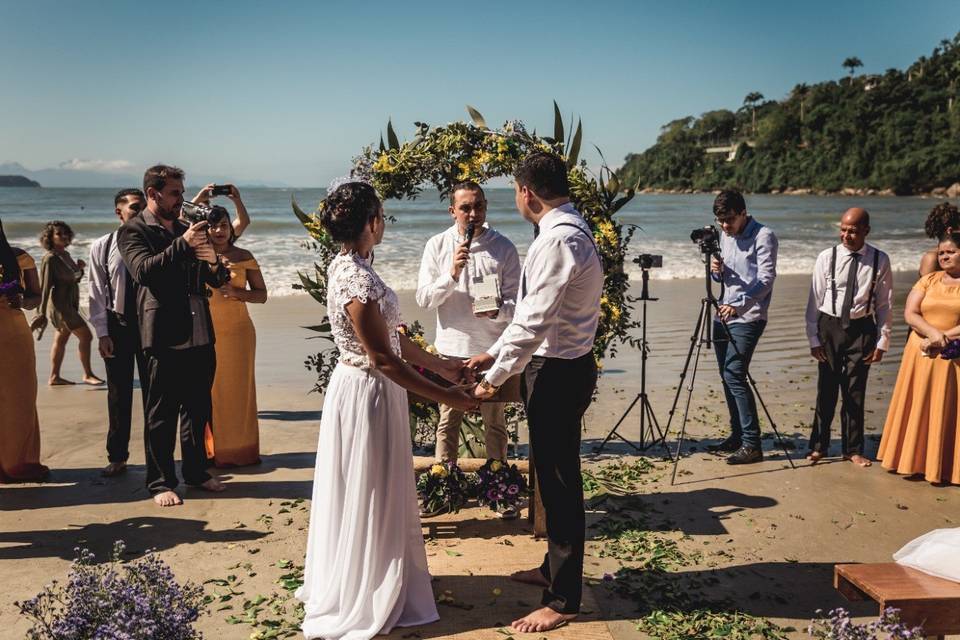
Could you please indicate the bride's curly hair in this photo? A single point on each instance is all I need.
(348, 209)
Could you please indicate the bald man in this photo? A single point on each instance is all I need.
(848, 326)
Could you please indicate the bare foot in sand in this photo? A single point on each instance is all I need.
(114, 469)
(212, 485)
(167, 499)
(814, 457)
(859, 460)
(530, 576)
(543, 619)
(56, 381)
(94, 380)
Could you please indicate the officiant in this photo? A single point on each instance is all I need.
(470, 274)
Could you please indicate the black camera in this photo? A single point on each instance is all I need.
(194, 213)
(708, 238)
(220, 190)
(648, 261)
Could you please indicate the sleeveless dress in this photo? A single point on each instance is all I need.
(366, 568)
(19, 425)
(233, 438)
(921, 431)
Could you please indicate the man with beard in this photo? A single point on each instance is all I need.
(172, 263)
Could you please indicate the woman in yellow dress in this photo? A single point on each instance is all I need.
(920, 435)
(233, 439)
(19, 426)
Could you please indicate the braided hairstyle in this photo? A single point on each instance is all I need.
(348, 209)
(942, 217)
(8, 259)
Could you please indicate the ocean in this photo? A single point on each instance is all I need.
(805, 226)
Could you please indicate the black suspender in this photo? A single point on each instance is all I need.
(106, 267)
(873, 281)
(833, 280)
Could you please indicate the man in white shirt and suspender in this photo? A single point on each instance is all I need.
(113, 313)
(850, 303)
(455, 265)
(551, 341)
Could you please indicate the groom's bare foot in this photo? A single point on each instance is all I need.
(56, 381)
(212, 485)
(167, 499)
(93, 380)
(859, 460)
(543, 619)
(530, 576)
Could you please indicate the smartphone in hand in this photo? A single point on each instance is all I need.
(220, 190)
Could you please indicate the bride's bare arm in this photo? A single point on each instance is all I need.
(451, 369)
(374, 335)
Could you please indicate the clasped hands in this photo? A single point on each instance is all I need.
(465, 374)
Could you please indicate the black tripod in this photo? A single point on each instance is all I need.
(648, 420)
(703, 335)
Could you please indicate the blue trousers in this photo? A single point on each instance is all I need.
(734, 365)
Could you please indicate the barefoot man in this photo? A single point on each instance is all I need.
(172, 263)
(849, 305)
(550, 340)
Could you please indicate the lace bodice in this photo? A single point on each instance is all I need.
(351, 277)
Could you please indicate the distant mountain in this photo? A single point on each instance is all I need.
(78, 178)
(17, 181)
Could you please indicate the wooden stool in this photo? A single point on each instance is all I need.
(923, 600)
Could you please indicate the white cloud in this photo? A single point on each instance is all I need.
(104, 166)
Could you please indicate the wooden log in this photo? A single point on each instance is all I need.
(467, 465)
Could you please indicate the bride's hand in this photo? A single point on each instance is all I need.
(462, 400)
(452, 369)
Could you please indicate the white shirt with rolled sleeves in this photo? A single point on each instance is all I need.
(114, 271)
(459, 332)
(559, 305)
(821, 294)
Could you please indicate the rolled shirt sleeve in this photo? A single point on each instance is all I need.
(434, 283)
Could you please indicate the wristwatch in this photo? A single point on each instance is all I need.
(487, 387)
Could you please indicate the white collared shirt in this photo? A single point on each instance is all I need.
(113, 271)
(559, 303)
(459, 332)
(821, 298)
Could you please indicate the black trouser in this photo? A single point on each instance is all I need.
(126, 350)
(557, 393)
(178, 386)
(845, 371)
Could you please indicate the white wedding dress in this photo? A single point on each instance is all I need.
(366, 568)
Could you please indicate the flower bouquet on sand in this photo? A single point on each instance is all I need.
(500, 486)
(444, 487)
(11, 291)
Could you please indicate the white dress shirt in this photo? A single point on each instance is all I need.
(559, 304)
(821, 291)
(114, 271)
(459, 332)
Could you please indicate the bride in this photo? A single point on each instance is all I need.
(366, 568)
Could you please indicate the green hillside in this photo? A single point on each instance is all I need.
(898, 131)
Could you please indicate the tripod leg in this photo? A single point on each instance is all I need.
(694, 344)
(701, 339)
(656, 433)
(613, 431)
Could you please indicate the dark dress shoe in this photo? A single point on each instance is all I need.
(746, 455)
(729, 445)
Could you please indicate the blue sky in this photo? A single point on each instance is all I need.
(289, 91)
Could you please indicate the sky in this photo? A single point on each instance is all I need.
(289, 92)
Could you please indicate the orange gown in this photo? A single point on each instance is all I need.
(920, 434)
(19, 424)
(233, 438)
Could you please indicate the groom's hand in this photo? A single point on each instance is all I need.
(480, 362)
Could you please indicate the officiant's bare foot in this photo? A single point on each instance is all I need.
(859, 460)
(814, 457)
(212, 485)
(167, 499)
(530, 576)
(543, 619)
(56, 381)
(93, 380)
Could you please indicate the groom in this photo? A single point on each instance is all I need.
(551, 341)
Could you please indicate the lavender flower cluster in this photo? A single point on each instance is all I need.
(140, 600)
(839, 626)
(500, 484)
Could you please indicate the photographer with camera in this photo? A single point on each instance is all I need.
(172, 262)
(746, 266)
(242, 220)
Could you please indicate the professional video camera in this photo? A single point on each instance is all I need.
(708, 238)
(194, 213)
(648, 261)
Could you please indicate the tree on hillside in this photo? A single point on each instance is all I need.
(751, 100)
(801, 91)
(851, 64)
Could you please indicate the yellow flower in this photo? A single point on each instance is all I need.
(382, 165)
(438, 471)
(496, 465)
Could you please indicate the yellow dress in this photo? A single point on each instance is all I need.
(19, 425)
(234, 436)
(920, 434)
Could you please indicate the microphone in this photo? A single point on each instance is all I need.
(469, 234)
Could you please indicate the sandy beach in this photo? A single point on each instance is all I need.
(761, 539)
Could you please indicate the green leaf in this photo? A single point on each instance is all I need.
(383, 147)
(297, 211)
(319, 328)
(557, 123)
(453, 554)
(392, 137)
(618, 204)
(477, 118)
(575, 147)
(613, 184)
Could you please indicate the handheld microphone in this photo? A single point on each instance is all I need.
(469, 235)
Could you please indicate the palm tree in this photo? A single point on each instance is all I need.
(751, 100)
(801, 91)
(851, 65)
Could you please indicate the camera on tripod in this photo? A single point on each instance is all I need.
(648, 261)
(708, 238)
(194, 213)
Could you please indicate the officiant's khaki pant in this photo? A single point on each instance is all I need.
(494, 431)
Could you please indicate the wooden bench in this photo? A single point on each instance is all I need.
(923, 600)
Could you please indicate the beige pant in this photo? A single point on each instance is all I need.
(494, 431)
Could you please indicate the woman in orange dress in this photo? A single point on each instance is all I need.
(19, 426)
(233, 439)
(920, 434)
